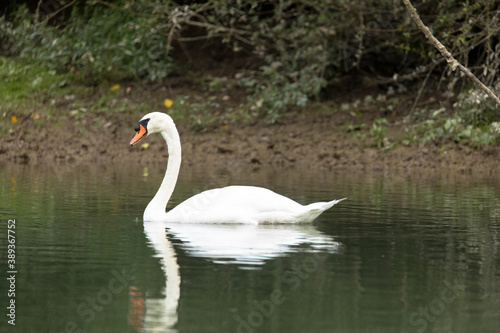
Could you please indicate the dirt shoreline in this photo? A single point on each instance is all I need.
(316, 142)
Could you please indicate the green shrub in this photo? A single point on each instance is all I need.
(297, 49)
(98, 44)
(475, 107)
(475, 119)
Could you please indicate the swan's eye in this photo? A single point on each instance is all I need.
(143, 122)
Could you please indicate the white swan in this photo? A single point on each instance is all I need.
(232, 204)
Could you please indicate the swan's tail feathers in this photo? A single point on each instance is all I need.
(315, 209)
(332, 203)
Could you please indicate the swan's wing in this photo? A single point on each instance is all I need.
(240, 204)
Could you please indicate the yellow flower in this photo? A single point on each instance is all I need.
(115, 87)
(13, 119)
(168, 103)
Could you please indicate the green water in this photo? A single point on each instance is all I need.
(402, 254)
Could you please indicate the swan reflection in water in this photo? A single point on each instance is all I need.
(248, 246)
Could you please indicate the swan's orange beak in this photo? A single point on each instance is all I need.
(139, 135)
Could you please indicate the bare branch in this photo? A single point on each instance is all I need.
(60, 10)
(448, 56)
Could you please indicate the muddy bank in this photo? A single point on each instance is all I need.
(317, 142)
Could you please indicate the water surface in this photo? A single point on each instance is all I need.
(402, 254)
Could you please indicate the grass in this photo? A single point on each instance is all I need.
(26, 87)
(23, 80)
(39, 93)
(29, 88)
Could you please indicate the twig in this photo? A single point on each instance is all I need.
(218, 27)
(197, 38)
(421, 89)
(60, 10)
(37, 12)
(449, 57)
(169, 40)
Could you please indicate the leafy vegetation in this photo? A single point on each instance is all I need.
(97, 45)
(295, 52)
(475, 120)
(26, 83)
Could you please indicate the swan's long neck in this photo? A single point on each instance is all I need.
(156, 208)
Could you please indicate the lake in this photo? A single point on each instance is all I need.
(404, 253)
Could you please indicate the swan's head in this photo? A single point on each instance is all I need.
(153, 122)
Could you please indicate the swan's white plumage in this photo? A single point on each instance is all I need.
(232, 204)
(244, 204)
